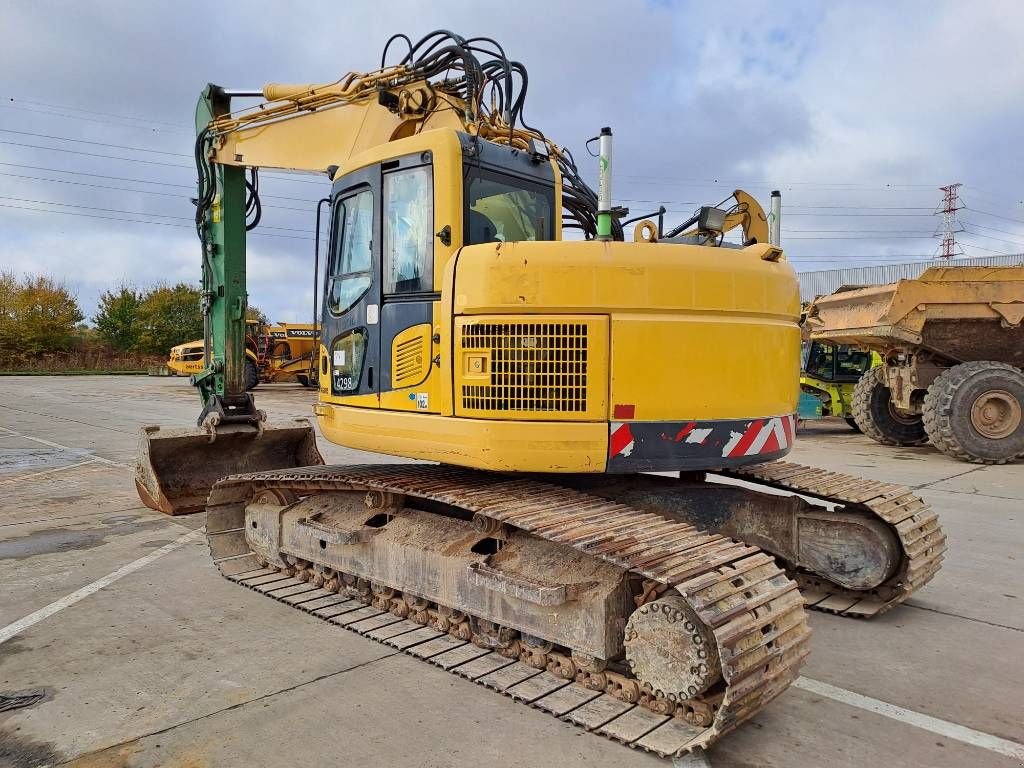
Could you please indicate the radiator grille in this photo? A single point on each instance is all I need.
(534, 367)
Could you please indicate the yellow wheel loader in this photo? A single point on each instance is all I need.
(282, 352)
(540, 379)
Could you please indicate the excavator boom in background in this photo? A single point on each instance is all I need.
(541, 379)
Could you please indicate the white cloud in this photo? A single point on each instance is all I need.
(847, 96)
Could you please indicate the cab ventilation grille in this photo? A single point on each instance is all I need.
(410, 358)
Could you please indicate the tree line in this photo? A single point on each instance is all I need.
(41, 319)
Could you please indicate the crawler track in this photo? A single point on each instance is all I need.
(916, 525)
(751, 609)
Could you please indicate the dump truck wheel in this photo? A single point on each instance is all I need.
(252, 376)
(853, 424)
(975, 412)
(876, 417)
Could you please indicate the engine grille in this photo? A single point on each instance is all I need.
(535, 367)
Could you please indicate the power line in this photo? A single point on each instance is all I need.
(129, 213)
(137, 221)
(94, 154)
(867, 237)
(283, 176)
(994, 215)
(994, 229)
(94, 143)
(990, 250)
(859, 231)
(149, 120)
(777, 183)
(997, 239)
(176, 195)
(864, 215)
(97, 120)
(141, 181)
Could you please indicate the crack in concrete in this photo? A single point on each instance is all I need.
(65, 418)
(964, 618)
(944, 479)
(231, 707)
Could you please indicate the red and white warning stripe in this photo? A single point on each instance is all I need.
(621, 440)
(762, 436)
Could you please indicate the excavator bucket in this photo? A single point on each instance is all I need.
(177, 467)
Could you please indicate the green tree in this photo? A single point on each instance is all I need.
(117, 320)
(167, 316)
(39, 314)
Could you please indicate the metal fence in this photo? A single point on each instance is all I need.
(825, 281)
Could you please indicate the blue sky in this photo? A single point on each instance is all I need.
(857, 111)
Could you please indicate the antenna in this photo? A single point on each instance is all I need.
(951, 203)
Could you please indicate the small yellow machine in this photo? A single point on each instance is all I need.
(540, 379)
(187, 359)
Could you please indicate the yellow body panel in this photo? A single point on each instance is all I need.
(696, 372)
(520, 446)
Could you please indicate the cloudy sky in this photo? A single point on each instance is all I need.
(856, 111)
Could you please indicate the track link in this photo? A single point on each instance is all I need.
(752, 610)
(917, 526)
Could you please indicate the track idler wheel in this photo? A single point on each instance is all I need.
(670, 650)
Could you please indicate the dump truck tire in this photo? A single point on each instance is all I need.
(874, 414)
(853, 424)
(975, 412)
(252, 376)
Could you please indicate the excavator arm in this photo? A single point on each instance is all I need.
(312, 128)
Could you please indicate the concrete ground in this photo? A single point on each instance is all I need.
(172, 665)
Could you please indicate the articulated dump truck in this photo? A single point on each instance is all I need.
(539, 381)
(952, 342)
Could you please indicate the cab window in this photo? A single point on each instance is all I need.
(820, 363)
(352, 261)
(507, 209)
(408, 231)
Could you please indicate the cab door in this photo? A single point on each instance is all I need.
(352, 290)
(408, 295)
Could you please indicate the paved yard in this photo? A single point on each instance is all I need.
(172, 665)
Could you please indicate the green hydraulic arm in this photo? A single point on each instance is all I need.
(177, 466)
(221, 224)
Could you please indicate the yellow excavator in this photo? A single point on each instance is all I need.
(541, 381)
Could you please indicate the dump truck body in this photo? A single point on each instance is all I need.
(926, 330)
